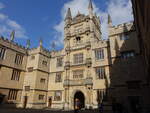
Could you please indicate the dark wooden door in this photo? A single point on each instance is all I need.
(50, 102)
(25, 101)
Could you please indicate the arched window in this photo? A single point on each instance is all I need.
(78, 39)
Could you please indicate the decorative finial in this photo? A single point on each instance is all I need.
(78, 12)
(41, 42)
(90, 5)
(68, 16)
(109, 20)
(12, 35)
(53, 46)
(28, 44)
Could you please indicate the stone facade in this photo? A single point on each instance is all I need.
(142, 16)
(88, 67)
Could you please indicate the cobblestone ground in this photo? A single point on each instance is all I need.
(42, 111)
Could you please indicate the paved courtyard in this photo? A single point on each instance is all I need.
(41, 111)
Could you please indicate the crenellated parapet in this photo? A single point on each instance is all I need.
(39, 50)
(100, 44)
(125, 27)
(57, 53)
(12, 45)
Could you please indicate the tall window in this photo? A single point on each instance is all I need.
(19, 59)
(12, 94)
(2, 53)
(100, 95)
(59, 62)
(57, 96)
(99, 54)
(100, 72)
(78, 74)
(78, 58)
(58, 77)
(16, 75)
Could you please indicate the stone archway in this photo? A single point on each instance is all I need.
(79, 95)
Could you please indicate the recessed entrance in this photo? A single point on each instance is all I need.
(50, 102)
(1, 98)
(79, 95)
(25, 101)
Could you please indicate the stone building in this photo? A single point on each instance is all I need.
(88, 68)
(13, 60)
(141, 13)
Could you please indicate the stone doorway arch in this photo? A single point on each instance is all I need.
(79, 95)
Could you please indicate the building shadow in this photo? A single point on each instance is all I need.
(127, 90)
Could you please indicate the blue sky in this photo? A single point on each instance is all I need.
(33, 19)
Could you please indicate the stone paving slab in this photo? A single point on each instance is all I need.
(42, 111)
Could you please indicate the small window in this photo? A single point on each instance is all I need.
(78, 38)
(99, 54)
(32, 57)
(78, 58)
(42, 80)
(27, 88)
(30, 69)
(41, 97)
(2, 52)
(124, 36)
(57, 96)
(44, 63)
(77, 74)
(58, 77)
(59, 62)
(100, 72)
(127, 54)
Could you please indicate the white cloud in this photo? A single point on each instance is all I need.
(120, 11)
(13, 24)
(2, 17)
(7, 25)
(2, 6)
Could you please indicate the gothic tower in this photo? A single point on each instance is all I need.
(81, 32)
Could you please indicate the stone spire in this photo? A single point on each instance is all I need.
(12, 35)
(53, 46)
(109, 20)
(90, 7)
(41, 42)
(68, 16)
(28, 44)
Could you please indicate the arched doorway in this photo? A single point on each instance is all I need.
(79, 95)
(50, 102)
